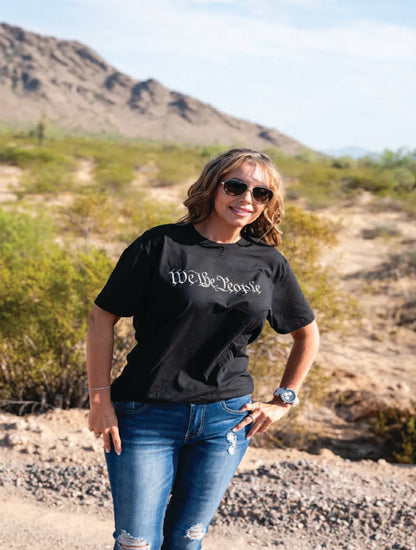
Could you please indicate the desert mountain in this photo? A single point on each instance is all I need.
(79, 91)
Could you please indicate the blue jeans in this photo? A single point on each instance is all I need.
(176, 463)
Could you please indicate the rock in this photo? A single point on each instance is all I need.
(321, 505)
(35, 427)
(15, 439)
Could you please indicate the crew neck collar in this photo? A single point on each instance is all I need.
(204, 241)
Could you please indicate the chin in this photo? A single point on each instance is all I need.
(240, 223)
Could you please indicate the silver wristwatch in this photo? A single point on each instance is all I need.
(288, 396)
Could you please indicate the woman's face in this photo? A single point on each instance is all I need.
(238, 211)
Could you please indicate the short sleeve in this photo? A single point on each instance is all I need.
(289, 308)
(126, 286)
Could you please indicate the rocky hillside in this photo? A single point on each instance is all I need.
(79, 91)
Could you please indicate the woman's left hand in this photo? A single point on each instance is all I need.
(261, 415)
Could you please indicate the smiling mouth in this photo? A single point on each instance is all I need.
(241, 211)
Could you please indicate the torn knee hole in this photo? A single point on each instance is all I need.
(196, 532)
(127, 542)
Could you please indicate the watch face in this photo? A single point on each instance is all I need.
(288, 395)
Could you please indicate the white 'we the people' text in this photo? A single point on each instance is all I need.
(219, 283)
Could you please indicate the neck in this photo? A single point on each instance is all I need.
(218, 234)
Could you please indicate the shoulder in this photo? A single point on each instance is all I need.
(265, 250)
(269, 259)
(159, 233)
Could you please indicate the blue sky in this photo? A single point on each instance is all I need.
(329, 73)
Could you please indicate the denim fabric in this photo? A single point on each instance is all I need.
(187, 451)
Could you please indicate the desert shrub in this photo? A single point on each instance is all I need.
(305, 237)
(123, 217)
(45, 169)
(22, 236)
(326, 181)
(178, 163)
(113, 172)
(402, 158)
(117, 162)
(384, 231)
(343, 162)
(26, 156)
(91, 212)
(140, 213)
(378, 182)
(314, 179)
(46, 292)
(396, 429)
(48, 178)
(403, 179)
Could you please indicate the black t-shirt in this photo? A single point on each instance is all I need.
(196, 304)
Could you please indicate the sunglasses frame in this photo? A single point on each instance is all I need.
(251, 189)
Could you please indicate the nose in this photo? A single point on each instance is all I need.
(247, 196)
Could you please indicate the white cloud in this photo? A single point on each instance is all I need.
(255, 60)
(198, 31)
(214, 1)
(308, 2)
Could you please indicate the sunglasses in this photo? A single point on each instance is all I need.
(234, 187)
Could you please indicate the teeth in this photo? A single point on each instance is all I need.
(241, 210)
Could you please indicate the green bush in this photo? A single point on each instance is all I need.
(140, 212)
(378, 182)
(46, 292)
(46, 171)
(305, 237)
(177, 164)
(91, 212)
(27, 156)
(396, 429)
(323, 182)
(48, 178)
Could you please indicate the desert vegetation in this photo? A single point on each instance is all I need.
(80, 200)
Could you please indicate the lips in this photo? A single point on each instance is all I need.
(241, 211)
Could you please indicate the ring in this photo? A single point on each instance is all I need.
(97, 434)
(250, 416)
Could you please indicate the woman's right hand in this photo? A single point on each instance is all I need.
(102, 419)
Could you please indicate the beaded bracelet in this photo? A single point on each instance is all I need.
(100, 388)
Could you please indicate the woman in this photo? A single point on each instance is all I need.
(179, 418)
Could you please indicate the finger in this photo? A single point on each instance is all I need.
(246, 407)
(258, 427)
(115, 435)
(266, 424)
(107, 441)
(245, 422)
(254, 428)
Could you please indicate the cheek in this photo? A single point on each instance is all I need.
(221, 201)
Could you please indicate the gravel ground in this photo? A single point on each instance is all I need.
(54, 493)
(320, 505)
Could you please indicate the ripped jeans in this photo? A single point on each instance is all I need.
(176, 463)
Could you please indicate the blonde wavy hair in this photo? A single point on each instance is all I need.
(201, 194)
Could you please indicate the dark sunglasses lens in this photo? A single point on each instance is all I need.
(261, 194)
(234, 187)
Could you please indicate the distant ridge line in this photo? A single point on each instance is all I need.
(78, 91)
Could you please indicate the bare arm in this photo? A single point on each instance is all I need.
(302, 355)
(100, 342)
